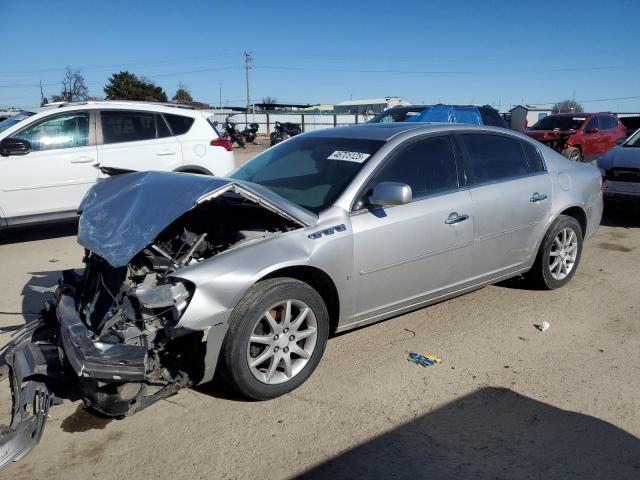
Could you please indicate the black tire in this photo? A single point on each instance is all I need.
(540, 274)
(574, 154)
(242, 323)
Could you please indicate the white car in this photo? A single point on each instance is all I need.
(48, 156)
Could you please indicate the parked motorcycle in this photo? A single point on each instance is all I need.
(232, 133)
(250, 133)
(282, 131)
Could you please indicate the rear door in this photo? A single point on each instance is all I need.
(405, 254)
(511, 193)
(136, 140)
(594, 141)
(60, 168)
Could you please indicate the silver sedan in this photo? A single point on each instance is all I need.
(187, 275)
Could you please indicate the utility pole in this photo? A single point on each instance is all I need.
(220, 86)
(41, 94)
(248, 59)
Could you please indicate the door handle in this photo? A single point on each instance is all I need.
(165, 153)
(455, 218)
(83, 159)
(537, 197)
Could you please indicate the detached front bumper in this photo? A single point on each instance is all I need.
(29, 368)
(97, 360)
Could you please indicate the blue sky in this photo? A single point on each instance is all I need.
(496, 52)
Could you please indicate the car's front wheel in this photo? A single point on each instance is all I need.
(559, 254)
(573, 154)
(277, 335)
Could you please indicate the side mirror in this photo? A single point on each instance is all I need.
(14, 146)
(592, 130)
(390, 193)
(216, 123)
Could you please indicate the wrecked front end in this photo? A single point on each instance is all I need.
(557, 140)
(113, 335)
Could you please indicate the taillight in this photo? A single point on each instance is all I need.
(222, 142)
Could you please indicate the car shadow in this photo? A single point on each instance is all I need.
(32, 233)
(624, 215)
(492, 433)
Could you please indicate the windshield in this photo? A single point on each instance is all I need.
(633, 140)
(11, 121)
(560, 122)
(396, 115)
(309, 171)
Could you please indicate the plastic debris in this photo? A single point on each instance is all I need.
(543, 327)
(424, 360)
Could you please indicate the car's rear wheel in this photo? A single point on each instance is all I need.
(277, 335)
(559, 254)
(573, 154)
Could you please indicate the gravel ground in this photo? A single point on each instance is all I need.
(508, 401)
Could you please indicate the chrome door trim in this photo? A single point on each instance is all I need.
(426, 300)
(413, 259)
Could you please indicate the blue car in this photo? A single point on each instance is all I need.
(620, 169)
(468, 114)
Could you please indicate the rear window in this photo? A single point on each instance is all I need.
(560, 122)
(179, 124)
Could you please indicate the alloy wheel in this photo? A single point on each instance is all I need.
(563, 253)
(282, 342)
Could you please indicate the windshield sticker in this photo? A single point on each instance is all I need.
(349, 156)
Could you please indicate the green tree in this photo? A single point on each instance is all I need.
(567, 106)
(127, 86)
(182, 94)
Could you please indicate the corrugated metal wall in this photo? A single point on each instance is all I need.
(308, 121)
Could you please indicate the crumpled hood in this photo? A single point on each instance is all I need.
(621, 157)
(122, 215)
(542, 135)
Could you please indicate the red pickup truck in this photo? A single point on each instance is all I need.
(579, 136)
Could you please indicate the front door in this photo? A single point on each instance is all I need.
(511, 193)
(408, 253)
(58, 171)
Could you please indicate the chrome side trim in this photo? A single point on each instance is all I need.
(430, 301)
(413, 259)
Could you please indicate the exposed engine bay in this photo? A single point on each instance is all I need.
(114, 334)
(137, 305)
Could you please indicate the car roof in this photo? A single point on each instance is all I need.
(579, 114)
(118, 104)
(385, 131)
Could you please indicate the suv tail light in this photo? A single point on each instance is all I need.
(222, 142)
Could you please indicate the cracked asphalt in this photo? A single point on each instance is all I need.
(508, 401)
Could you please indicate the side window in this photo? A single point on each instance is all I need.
(593, 123)
(492, 158)
(179, 124)
(428, 166)
(163, 129)
(61, 131)
(610, 123)
(127, 126)
(533, 158)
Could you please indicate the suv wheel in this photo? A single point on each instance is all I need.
(277, 335)
(573, 154)
(559, 254)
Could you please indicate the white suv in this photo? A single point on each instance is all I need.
(48, 156)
